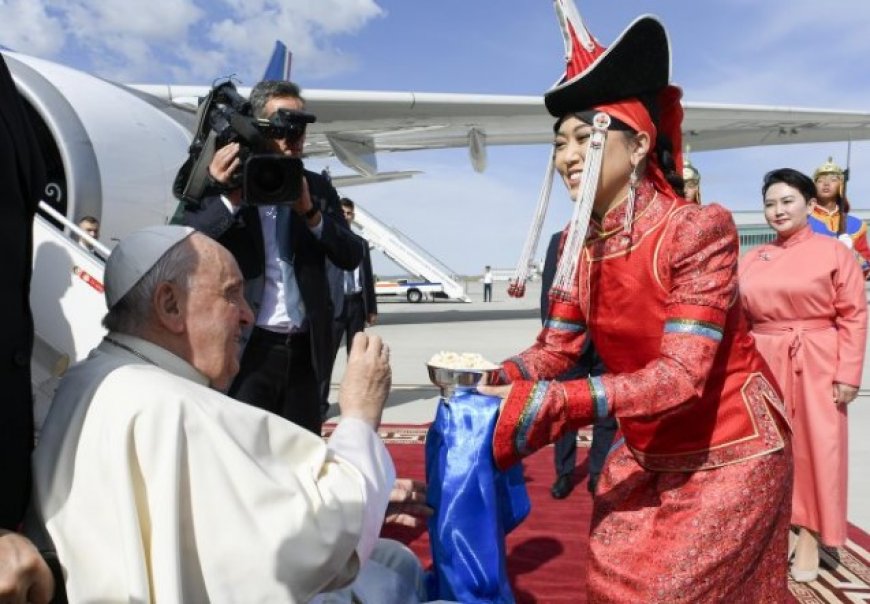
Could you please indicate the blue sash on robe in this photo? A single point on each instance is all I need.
(475, 504)
(853, 227)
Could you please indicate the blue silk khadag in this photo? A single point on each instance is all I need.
(475, 504)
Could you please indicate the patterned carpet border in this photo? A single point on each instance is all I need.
(844, 576)
(415, 434)
(845, 572)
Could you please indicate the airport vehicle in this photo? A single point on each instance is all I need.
(414, 291)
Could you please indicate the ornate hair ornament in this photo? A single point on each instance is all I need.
(598, 78)
(517, 284)
(566, 273)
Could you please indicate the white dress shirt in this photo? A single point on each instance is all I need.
(273, 311)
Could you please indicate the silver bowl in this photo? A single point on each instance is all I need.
(448, 380)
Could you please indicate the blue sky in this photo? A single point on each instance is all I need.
(779, 52)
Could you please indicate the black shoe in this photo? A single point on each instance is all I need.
(593, 482)
(562, 487)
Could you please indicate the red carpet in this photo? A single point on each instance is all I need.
(547, 552)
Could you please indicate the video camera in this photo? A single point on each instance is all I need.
(266, 177)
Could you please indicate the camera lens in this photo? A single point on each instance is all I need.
(294, 132)
(270, 177)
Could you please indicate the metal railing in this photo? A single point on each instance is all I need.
(76, 234)
(409, 255)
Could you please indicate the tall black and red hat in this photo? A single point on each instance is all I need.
(629, 80)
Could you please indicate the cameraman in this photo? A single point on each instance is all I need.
(281, 250)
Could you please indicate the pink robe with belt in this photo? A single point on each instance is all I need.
(805, 300)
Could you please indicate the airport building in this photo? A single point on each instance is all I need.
(753, 230)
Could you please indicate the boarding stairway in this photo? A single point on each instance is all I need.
(407, 254)
(66, 299)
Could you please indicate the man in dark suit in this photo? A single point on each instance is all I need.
(565, 449)
(353, 295)
(282, 251)
(360, 309)
(23, 574)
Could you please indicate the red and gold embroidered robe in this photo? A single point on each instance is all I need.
(694, 499)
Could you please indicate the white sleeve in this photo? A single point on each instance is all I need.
(317, 231)
(233, 209)
(256, 486)
(356, 443)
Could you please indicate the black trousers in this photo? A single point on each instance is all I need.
(487, 292)
(351, 321)
(277, 375)
(565, 450)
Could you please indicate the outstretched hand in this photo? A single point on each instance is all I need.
(24, 575)
(407, 505)
(367, 380)
(500, 391)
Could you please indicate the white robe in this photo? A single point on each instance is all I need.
(156, 488)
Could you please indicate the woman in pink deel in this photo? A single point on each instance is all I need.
(804, 296)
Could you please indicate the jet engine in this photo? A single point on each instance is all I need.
(111, 152)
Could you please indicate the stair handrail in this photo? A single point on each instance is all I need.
(394, 243)
(97, 245)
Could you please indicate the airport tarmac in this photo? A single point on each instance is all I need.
(506, 326)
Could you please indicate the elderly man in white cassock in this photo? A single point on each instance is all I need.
(154, 486)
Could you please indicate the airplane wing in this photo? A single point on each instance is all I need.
(354, 125)
(354, 179)
(710, 126)
(407, 121)
(119, 146)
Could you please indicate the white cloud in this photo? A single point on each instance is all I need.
(304, 26)
(331, 16)
(193, 40)
(151, 22)
(25, 26)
